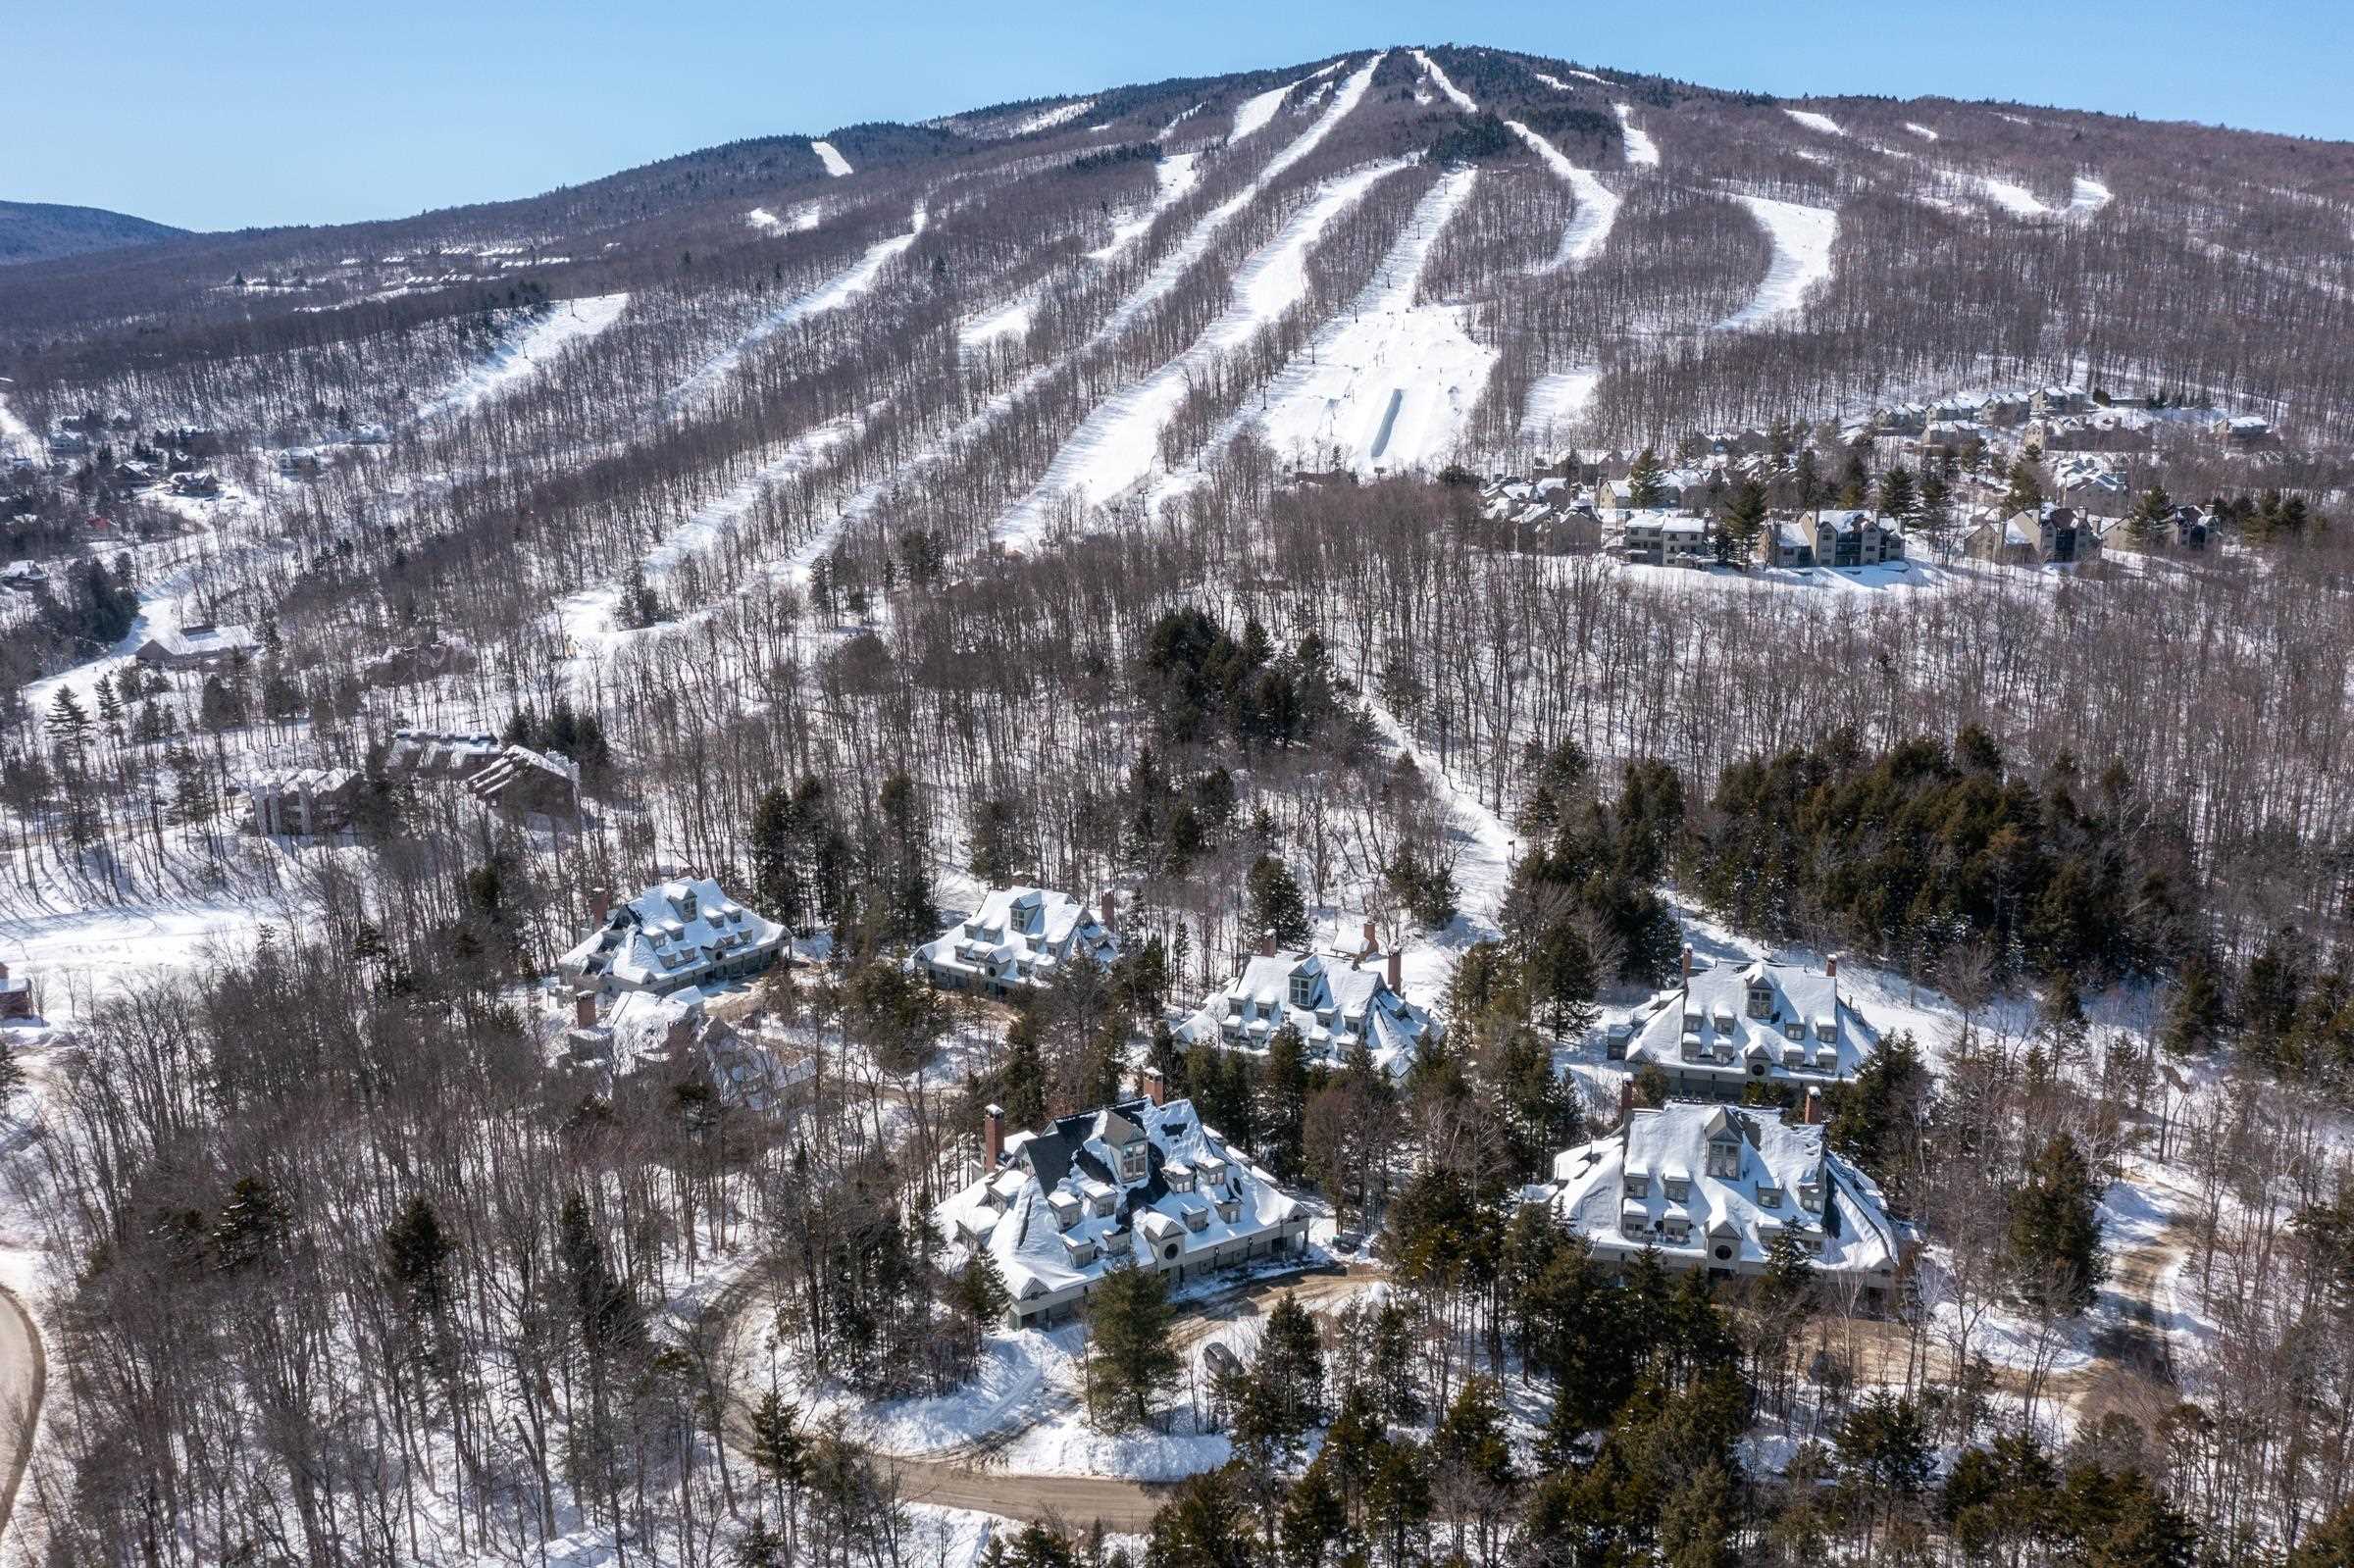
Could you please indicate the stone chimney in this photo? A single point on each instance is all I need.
(601, 904)
(1109, 910)
(1813, 1108)
(992, 1137)
(1153, 1085)
(583, 1009)
(1266, 942)
(1396, 971)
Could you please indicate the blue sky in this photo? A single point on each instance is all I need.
(265, 111)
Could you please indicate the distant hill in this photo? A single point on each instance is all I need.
(34, 230)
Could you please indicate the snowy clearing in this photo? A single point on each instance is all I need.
(836, 164)
(1049, 118)
(1596, 208)
(1801, 258)
(1921, 131)
(1555, 405)
(796, 219)
(1439, 80)
(1816, 121)
(1254, 112)
(2089, 197)
(1390, 385)
(1641, 150)
(1119, 443)
(568, 321)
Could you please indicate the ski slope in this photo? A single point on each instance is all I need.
(568, 321)
(1641, 150)
(1119, 443)
(1801, 258)
(836, 291)
(1390, 385)
(836, 164)
(2089, 196)
(1555, 405)
(1921, 131)
(1255, 113)
(1049, 118)
(1815, 122)
(1179, 173)
(1439, 80)
(1597, 207)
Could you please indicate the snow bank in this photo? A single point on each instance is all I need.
(796, 219)
(1801, 258)
(1390, 385)
(836, 164)
(1596, 208)
(1439, 80)
(1815, 122)
(567, 322)
(2089, 198)
(1641, 150)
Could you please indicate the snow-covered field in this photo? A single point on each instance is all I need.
(1390, 385)
(1446, 88)
(836, 164)
(1049, 118)
(1801, 258)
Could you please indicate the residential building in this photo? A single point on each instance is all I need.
(1140, 1184)
(1830, 537)
(16, 995)
(1335, 1006)
(1714, 1187)
(2246, 430)
(673, 1039)
(529, 783)
(2056, 535)
(676, 934)
(303, 802)
(1667, 539)
(1727, 1027)
(199, 645)
(1020, 938)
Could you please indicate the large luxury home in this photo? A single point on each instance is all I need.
(1713, 1185)
(673, 934)
(1140, 1183)
(1335, 1005)
(1725, 1027)
(1019, 937)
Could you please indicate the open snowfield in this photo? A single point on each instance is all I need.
(1641, 150)
(1921, 131)
(1801, 258)
(527, 352)
(1556, 403)
(1117, 445)
(15, 435)
(1256, 112)
(2089, 196)
(1178, 174)
(796, 219)
(836, 164)
(1589, 226)
(1816, 121)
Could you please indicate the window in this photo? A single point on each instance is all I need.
(1827, 1032)
(1810, 1193)
(1638, 1183)
(1303, 990)
(1692, 1021)
(1678, 1188)
(1724, 1254)
(1761, 1001)
(1768, 1198)
(1793, 1030)
(1725, 1158)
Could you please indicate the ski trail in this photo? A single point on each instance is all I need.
(1921, 131)
(832, 296)
(1439, 80)
(1596, 208)
(1117, 444)
(1391, 382)
(836, 164)
(568, 321)
(1555, 404)
(1815, 122)
(2089, 198)
(1484, 867)
(1801, 258)
(1049, 118)
(1641, 150)
(1179, 173)
(1255, 113)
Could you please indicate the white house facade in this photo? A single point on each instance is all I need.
(1334, 1005)
(1728, 1026)
(677, 934)
(1019, 937)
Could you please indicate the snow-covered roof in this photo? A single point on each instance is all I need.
(1717, 1183)
(200, 642)
(673, 934)
(1776, 1023)
(1021, 936)
(1126, 1183)
(1332, 1004)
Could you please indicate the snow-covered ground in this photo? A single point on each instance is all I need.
(1446, 88)
(1117, 444)
(1390, 383)
(1589, 225)
(1556, 403)
(836, 164)
(524, 353)
(1178, 174)
(1254, 112)
(1816, 121)
(15, 434)
(2088, 197)
(1049, 118)
(1801, 258)
(1921, 131)
(799, 219)
(1641, 150)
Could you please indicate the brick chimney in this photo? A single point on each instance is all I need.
(1831, 967)
(1687, 966)
(1813, 1108)
(1627, 1098)
(601, 904)
(1266, 942)
(1372, 946)
(1109, 910)
(992, 1137)
(583, 1009)
(1153, 1085)
(1398, 970)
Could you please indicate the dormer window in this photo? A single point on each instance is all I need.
(1761, 1001)
(1810, 1196)
(1725, 1158)
(1827, 1032)
(1303, 990)
(1638, 1183)
(1725, 1022)
(1678, 1188)
(1793, 1030)
(1132, 1163)
(1692, 1020)
(1769, 1197)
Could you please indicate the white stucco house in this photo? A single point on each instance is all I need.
(1727, 1026)
(1334, 1003)
(676, 934)
(1019, 938)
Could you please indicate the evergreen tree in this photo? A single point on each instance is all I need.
(1275, 903)
(1130, 1360)
(2151, 518)
(2054, 1230)
(1897, 495)
(1745, 517)
(1647, 480)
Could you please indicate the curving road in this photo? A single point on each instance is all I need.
(23, 1377)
